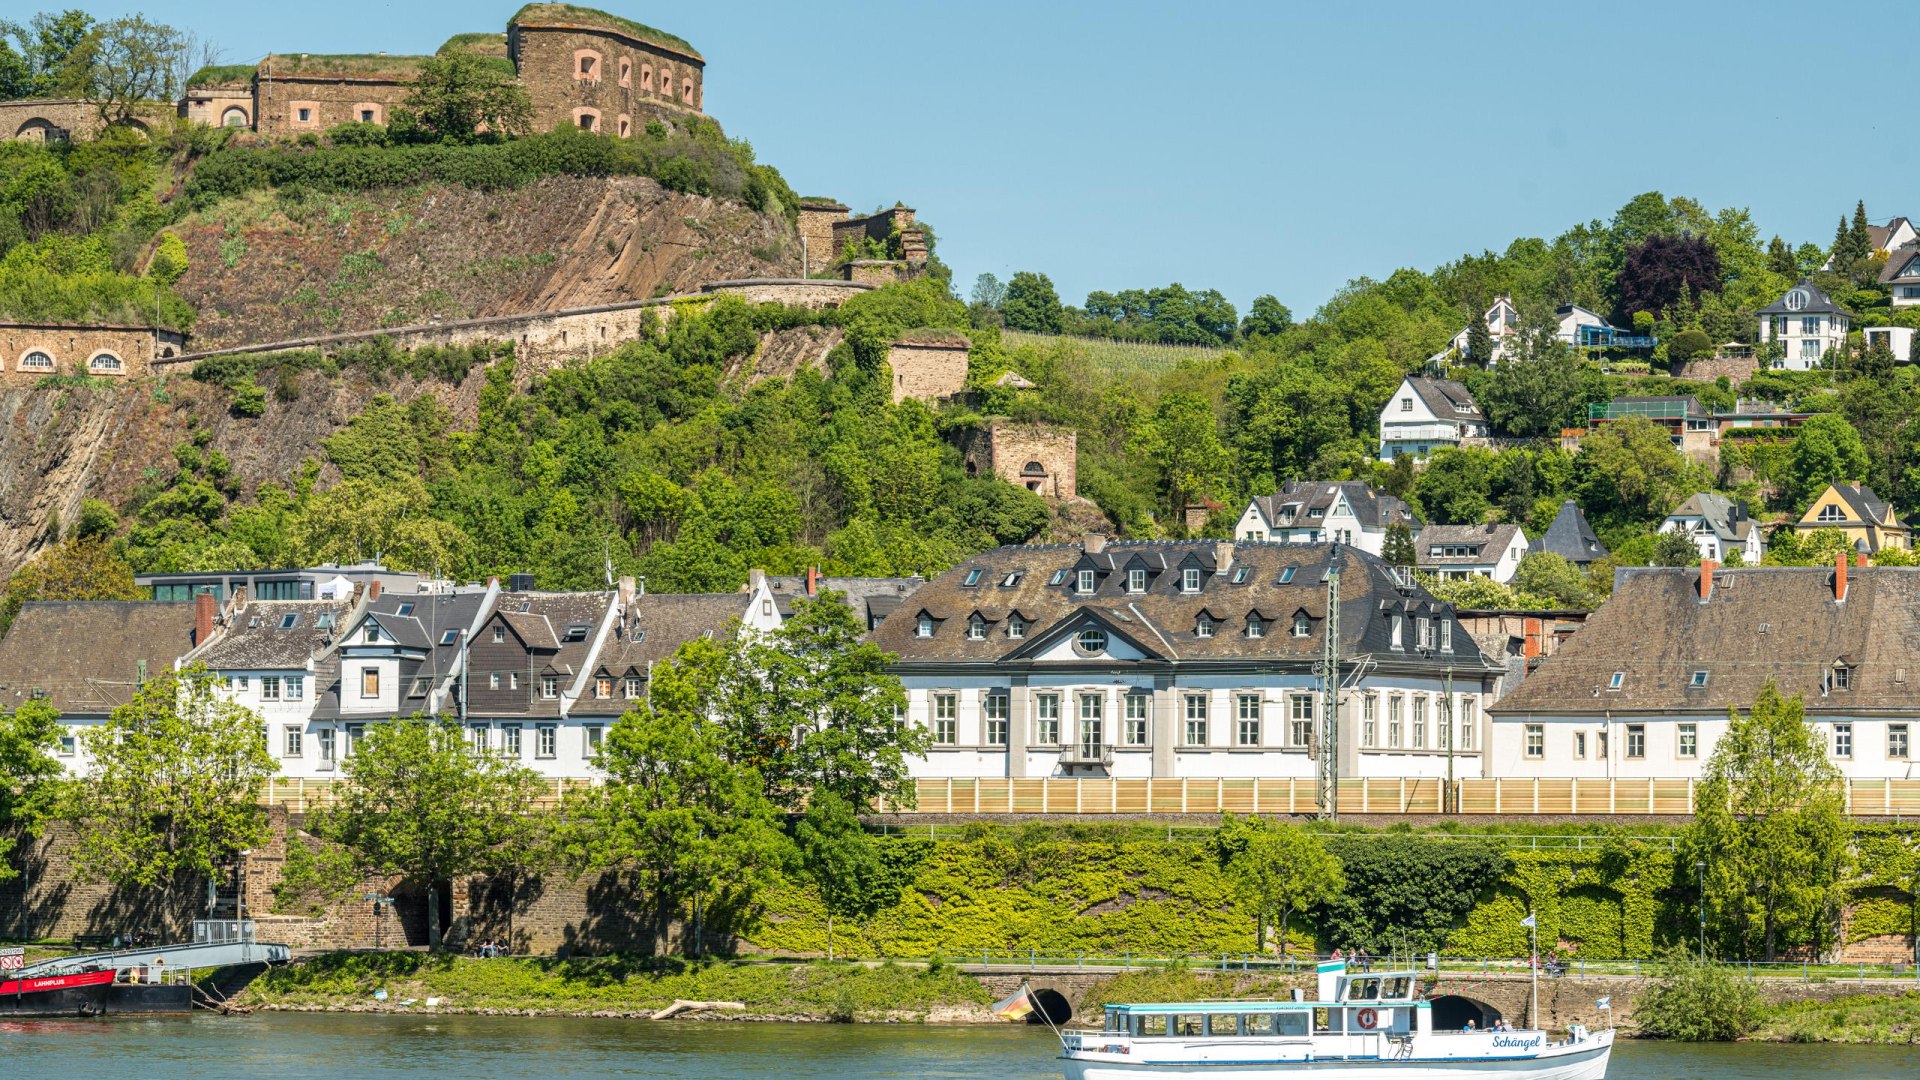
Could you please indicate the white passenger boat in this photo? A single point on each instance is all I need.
(1364, 1026)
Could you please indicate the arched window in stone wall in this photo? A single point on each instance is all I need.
(587, 119)
(586, 65)
(646, 78)
(106, 362)
(626, 125)
(626, 71)
(36, 360)
(234, 117)
(686, 91)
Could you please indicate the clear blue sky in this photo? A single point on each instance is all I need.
(1255, 147)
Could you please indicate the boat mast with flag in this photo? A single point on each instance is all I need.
(1357, 1026)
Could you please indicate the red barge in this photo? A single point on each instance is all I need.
(81, 994)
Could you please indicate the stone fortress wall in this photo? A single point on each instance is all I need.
(37, 350)
(1038, 457)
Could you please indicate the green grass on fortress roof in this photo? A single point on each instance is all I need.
(585, 16)
(366, 65)
(222, 73)
(484, 44)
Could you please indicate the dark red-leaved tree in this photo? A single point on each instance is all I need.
(1655, 270)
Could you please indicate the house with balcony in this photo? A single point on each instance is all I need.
(328, 581)
(1503, 323)
(1720, 527)
(1425, 414)
(1864, 518)
(1692, 428)
(400, 654)
(267, 655)
(1492, 550)
(1183, 659)
(1586, 329)
(1901, 275)
(1643, 690)
(1312, 512)
(1807, 324)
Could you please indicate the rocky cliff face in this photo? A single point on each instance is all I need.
(272, 267)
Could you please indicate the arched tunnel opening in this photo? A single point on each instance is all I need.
(1452, 1011)
(1050, 1006)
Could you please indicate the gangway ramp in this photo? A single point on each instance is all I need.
(216, 943)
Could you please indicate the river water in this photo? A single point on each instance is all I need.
(270, 1046)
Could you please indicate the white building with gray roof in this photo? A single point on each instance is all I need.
(1425, 414)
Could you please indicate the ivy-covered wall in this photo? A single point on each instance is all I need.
(1886, 860)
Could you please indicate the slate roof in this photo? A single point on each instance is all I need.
(1866, 506)
(1161, 621)
(419, 634)
(872, 598)
(1445, 397)
(1572, 537)
(1818, 303)
(1294, 503)
(255, 638)
(1762, 622)
(1728, 519)
(655, 625)
(1897, 263)
(85, 654)
(1489, 542)
(558, 630)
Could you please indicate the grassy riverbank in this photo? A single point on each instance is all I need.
(619, 986)
(1868, 1019)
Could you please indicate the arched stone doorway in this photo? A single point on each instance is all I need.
(1034, 477)
(1452, 1011)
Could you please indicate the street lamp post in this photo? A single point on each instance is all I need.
(1700, 868)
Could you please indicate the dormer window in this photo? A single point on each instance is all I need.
(1842, 677)
(976, 629)
(1446, 635)
(1399, 623)
(1286, 576)
(1256, 626)
(973, 578)
(1618, 680)
(1317, 512)
(1085, 582)
(1240, 575)
(1302, 626)
(1203, 626)
(1016, 627)
(924, 626)
(1136, 580)
(372, 632)
(1190, 579)
(1059, 578)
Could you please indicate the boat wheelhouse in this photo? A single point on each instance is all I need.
(1359, 1025)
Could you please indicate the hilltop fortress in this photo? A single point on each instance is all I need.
(579, 66)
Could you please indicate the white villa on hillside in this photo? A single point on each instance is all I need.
(1503, 322)
(1428, 413)
(1718, 526)
(1807, 323)
(1492, 550)
(1348, 511)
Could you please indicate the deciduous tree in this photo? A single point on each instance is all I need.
(420, 802)
(128, 62)
(1826, 450)
(29, 774)
(174, 787)
(79, 569)
(1031, 304)
(838, 857)
(1275, 871)
(459, 96)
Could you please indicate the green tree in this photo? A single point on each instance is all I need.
(1405, 891)
(812, 708)
(1031, 304)
(838, 857)
(1674, 548)
(1826, 450)
(174, 788)
(78, 569)
(126, 63)
(1183, 439)
(1688, 344)
(1629, 470)
(393, 520)
(1267, 318)
(1397, 548)
(1771, 826)
(692, 826)
(29, 774)
(1457, 485)
(1275, 871)
(1479, 339)
(460, 96)
(1552, 577)
(1538, 392)
(38, 60)
(420, 803)
(1695, 1000)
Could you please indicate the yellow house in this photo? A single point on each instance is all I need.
(1859, 514)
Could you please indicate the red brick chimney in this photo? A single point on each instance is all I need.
(813, 581)
(1860, 559)
(204, 607)
(1707, 567)
(373, 589)
(1840, 577)
(1530, 630)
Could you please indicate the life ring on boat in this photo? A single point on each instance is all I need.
(1366, 1018)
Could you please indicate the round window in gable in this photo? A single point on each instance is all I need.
(1091, 641)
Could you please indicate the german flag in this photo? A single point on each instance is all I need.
(1016, 1007)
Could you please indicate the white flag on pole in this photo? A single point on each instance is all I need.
(1528, 921)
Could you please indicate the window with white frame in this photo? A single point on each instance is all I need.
(1093, 723)
(1395, 639)
(631, 689)
(1536, 741)
(1203, 625)
(1618, 680)
(1843, 740)
(1046, 719)
(1300, 720)
(976, 629)
(1139, 719)
(549, 686)
(1085, 582)
(1897, 741)
(1468, 707)
(326, 737)
(1302, 625)
(1190, 579)
(510, 739)
(296, 687)
(69, 743)
(1446, 634)
(1196, 731)
(1396, 706)
(923, 627)
(1420, 722)
(1636, 741)
(493, 680)
(993, 708)
(292, 735)
(1579, 745)
(1136, 580)
(1247, 729)
(1687, 740)
(1256, 626)
(946, 719)
(594, 735)
(1443, 722)
(546, 741)
(1423, 629)
(269, 688)
(1016, 627)
(477, 738)
(1369, 721)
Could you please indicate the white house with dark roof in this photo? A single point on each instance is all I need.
(1194, 659)
(1901, 276)
(1492, 550)
(1425, 414)
(1719, 527)
(1807, 323)
(1312, 512)
(1503, 323)
(268, 655)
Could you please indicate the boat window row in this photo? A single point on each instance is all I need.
(1293, 1022)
